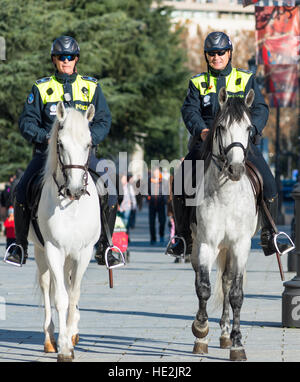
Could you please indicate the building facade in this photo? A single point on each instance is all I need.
(229, 15)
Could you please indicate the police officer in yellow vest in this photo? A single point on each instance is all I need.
(199, 110)
(37, 119)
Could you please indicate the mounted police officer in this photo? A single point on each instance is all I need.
(35, 124)
(199, 110)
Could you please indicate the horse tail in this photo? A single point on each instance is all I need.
(218, 295)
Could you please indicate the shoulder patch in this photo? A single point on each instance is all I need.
(244, 70)
(198, 75)
(30, 98)
(42, 80)
(88, 78)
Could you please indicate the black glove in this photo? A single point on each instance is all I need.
(255, 136)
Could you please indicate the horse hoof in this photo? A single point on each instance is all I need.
(50, 347)
(65, 358)
(75, 339)
(238, 354)
(200, 347)
(225, 343)
(198, 331)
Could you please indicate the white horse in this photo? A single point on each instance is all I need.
(69, 220)
(226, 219)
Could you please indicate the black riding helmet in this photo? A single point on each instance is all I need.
(65, 45)
(217, 41)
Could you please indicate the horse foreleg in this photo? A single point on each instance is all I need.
(200, 325)
(225, 341)
(79, 268)
(236, 296)
(56, 265)
(45, 284)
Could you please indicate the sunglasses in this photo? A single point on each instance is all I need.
(69, 57)
(219, 53)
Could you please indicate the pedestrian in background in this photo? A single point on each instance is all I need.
(157, 205)
(9, 227)
(128, 204)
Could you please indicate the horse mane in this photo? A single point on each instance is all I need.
(74, 118)
(232, 111)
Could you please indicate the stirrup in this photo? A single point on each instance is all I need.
(289, 239)
(117, 265)
(7, 254)
(184, 247)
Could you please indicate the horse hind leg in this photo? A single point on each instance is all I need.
(237, 352)
(200, 327)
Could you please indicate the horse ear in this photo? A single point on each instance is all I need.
(249, 98)
(61, 111)
(222, 97)
(89, 114)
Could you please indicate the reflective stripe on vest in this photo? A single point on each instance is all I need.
(83, 90)
(236, 83)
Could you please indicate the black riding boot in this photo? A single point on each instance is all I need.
(103, 243)
(267, 231)
(22, 221)
(182, 217)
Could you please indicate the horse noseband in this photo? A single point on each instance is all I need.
(235, 144)
(222, 157)
(64, 167)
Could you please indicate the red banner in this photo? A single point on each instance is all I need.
(282, 85)
(277, 35)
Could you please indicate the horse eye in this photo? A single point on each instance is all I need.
(223, 128)
(249, 128)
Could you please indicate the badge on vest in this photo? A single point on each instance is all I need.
(206, 100)
(85, 91)
(53, 109)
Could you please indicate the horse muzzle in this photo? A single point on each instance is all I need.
(235, 171)
(75, 195)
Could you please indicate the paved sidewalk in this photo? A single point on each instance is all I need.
(147, 316)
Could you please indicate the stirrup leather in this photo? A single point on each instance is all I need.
(275, 238)
(184, 247)
(7, 254)
(106, 259)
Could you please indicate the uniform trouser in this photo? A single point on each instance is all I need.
(36, 164)
(157, 208)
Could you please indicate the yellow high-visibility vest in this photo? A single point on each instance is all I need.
(235, 82)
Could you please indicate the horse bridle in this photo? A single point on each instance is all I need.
(221, 160)
(64, 167)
